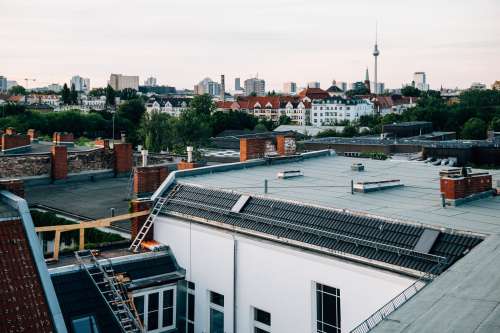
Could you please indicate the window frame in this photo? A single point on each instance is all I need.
(159, 292)
(258, 324)
(216, 307)
(190, 290)
(338, 307)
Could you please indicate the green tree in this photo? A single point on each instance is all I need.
(284, 120)
(73, 95)
(202, 105)
(110, 96)
(327, 133)
(157, 131)
(495, 124)
(253, 94)
(65, 95)
(349, 131)
(17, 90)
(474, 129)
(130, 114)
(128, 94)
(97, 92)
(410, 91)
(192, 128)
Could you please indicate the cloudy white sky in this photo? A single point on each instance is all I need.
(182, 41)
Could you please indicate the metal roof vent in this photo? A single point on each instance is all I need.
(290, 174)
(357, 167)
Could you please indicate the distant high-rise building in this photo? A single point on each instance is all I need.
(420, 81)
(237, 84)
(11, 83)
(222, 87)
(3, 84)
(477, 86)
(150, 82)
(379, 88)
(290, 88)
(120, 82)
(255, 85)
(313, 84)
(54, 87)
(207, 86)
(367, 80)
(81, 84)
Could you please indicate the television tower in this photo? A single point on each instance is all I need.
(375, 54)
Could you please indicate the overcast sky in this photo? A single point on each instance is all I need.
(180, 42)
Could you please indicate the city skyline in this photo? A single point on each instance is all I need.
(329, 41)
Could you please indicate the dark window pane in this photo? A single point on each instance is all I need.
(152, 320)
(329, 329)
(329, 309)
(139, 304)
(168, 298)
(216, 321)
(190, 285)
(258, 330)
(190, 328)
(153, 302)
(330, 290)
(191, 307)
(216, 298)
(262, 316)
(168, 317)
(338, 312)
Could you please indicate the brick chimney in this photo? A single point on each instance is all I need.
(123, 158)
(63, 138)
(59, 162)
(189, 163)
(285, 145)
(147, 179)
(465, 187)
(14, 142)
(252, 148)
(10, 131)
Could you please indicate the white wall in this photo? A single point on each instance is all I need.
(272, 277)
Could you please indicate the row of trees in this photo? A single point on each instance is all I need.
(477, 112)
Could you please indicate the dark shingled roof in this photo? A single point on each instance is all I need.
(78, 296)
(373, 238)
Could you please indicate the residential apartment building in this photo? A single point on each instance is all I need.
(81, 84)
(172, 106)
(336, 109)
(393, 104)
(207, 86)
(290, 88)
(314, 84)
(3, 84)
(150, 82)
(255, 85)
(120, 82)
(420, 81)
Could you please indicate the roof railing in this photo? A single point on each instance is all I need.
(391, 306)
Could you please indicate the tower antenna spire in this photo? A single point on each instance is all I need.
(375, 56)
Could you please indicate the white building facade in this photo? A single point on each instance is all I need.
(81, 84)
(286, 283)
(336, 109)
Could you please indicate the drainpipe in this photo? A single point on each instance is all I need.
(144, 153)
(235, 274)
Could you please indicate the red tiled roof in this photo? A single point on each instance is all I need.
(314, 93)
(23, 307)
(16, 98)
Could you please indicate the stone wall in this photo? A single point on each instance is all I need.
(97, 159)
(25, 165)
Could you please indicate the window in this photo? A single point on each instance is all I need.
(190, 307)
(216, 312)
(261, 321)
(327, 309)
(156, 308)
(84, 325)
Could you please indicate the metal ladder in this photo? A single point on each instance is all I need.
(113, 292)
(149, 221)
(130, 195)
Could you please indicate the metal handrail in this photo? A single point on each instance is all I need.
(336, 236)
(391, 306)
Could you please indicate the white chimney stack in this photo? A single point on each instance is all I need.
(144, 153)
(189, 150)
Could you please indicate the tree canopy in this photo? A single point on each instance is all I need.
(17, 90)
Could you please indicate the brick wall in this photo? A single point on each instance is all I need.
(10, 141)
(59, 162)
(25, 165)
(97, 159)
(137, 222)
(184, 165)
(62, 138)
(15, 186)
(251, 148)
(462, 187)
(148, 179)
(285, 145)
(123, 157)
